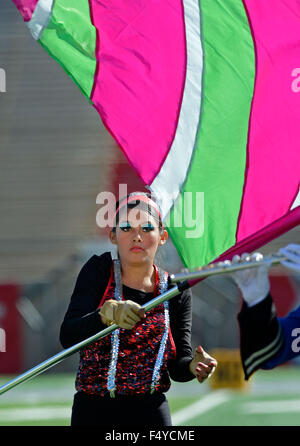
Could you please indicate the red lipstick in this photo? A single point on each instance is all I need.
(136, 249)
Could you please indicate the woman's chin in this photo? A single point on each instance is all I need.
(136, 257)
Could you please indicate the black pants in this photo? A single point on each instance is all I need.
(138, 410)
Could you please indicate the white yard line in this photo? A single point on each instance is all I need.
(271, 406)
(42, 413)
(205, 404)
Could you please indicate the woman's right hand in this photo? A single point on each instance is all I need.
(126, 313)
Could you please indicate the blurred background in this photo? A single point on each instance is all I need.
(55, 158)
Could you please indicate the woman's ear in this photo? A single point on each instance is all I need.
(163, 237)
(113, 237)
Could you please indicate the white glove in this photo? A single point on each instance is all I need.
(253, 282)
(125, 313)
(292, 252)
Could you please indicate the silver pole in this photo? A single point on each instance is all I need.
(226, 266)
(75, 348)
(215, 268)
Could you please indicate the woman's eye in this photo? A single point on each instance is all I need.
(125, 226)
(148, 227)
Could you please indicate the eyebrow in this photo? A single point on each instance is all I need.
(123, 221)
(142, 224)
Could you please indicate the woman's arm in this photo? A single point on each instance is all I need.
(289, 327)
(261, 336)
(188, 364)
(82, 318)
(181, 328)
(266, 341)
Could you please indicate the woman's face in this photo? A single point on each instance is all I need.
(137, 236)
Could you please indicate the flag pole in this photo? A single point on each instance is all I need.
(184, 281)
(227, 266)
(48, 363)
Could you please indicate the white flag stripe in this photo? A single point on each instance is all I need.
(296, 201)
(168, 183)
(40, 18)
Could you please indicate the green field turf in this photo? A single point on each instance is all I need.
(273, 399)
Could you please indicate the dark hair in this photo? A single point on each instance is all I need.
(142, 206)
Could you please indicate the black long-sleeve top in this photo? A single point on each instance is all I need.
(82, 318)
(262, 337)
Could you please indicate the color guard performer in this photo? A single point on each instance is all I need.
(122, 378)
(266, 340)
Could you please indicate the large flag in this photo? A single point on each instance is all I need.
(203, 97)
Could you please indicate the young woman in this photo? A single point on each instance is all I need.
(123, 377)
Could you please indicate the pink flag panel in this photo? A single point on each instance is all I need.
(139, 82)
(26, 8)
(273, 156)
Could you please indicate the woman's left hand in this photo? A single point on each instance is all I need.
(202, 365)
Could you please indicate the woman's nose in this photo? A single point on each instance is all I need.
(137, 235)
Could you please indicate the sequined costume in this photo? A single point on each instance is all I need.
(138, 348)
